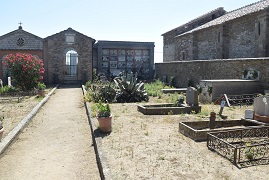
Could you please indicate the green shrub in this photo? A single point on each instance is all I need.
(103, 110)
(100, 92)
(7, 89)
(154, 89)
(27, 70)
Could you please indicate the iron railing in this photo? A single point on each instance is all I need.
(243, 147)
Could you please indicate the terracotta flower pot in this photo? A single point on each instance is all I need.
(1, 133)
(105, 123)
(41, 93)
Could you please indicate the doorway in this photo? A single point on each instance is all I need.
(71, 64)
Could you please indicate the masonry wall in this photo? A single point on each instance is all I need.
(213, 69)
(169, 46)
(208, 43)
(184, 47)
(247, 36)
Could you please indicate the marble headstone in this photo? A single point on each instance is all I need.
(261, 105)
(192, 96)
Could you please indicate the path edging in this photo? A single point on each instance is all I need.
(97, 142)
(12, 134)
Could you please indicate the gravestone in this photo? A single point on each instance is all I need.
(261, 105)
(9, 81)
(249, 114)
(192, 96)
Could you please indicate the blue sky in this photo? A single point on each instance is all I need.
(118, 20)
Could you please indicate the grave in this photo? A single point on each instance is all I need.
(197, 130)
(243, 147)
(261, 109)
(192, 105)
(211, 90)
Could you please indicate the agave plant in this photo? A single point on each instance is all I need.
(129, 89)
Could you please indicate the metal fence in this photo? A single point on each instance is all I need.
(243, 147)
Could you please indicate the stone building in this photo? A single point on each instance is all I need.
(241, 33)
(218, 45)
(19, 41)
(70, 56)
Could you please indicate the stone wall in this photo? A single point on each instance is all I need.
(208, 44)
(244, 38)
(197, 70)
(184, 48)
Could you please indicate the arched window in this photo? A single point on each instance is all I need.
(71, 63)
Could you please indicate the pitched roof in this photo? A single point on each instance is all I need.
(19, 30)
(70, 30)
(243, 11)
(220, 9)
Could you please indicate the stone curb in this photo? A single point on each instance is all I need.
(97, 142)
(12, 134)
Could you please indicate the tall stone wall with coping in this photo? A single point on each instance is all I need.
(196, 70)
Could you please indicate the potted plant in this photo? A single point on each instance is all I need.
(41, 89)
(1, 128)
(104, 117)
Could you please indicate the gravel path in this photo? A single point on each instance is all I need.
(57, 144)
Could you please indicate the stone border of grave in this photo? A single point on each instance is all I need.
(12, 134)
(198, 130)
(97, 136)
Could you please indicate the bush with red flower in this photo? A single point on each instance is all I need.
(26, 69)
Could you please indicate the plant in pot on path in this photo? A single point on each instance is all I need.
(1, 128)
(41, 89)
(104, 117)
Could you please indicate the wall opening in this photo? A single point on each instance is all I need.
(71, 63)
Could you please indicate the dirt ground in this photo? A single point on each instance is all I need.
(151, 147)
(139, 147)
(13, 112)
(57, 144)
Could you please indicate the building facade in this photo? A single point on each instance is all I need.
(242, 33)
(71, 56)
(113, 57)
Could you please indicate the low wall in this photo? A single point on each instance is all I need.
(196, 70)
